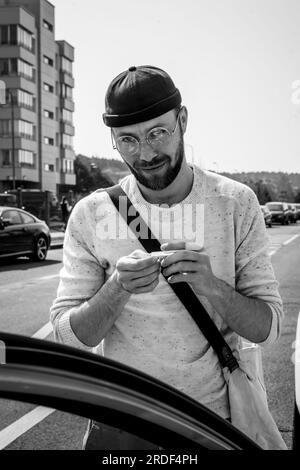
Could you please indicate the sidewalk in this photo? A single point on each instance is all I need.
(57, 238)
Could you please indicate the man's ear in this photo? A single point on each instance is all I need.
(183, 118)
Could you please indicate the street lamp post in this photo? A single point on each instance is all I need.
(13, 139)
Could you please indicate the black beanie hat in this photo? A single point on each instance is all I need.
(139, 94)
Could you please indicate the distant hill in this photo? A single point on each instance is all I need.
(271, 185)
(267, 185)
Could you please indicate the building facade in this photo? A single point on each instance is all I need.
(36, 114)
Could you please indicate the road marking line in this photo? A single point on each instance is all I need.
(24, 424)
(29, 420)
(43, 332)
(290, 240)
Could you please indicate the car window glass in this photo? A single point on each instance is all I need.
(13, 217)
(25, 426)
(27, 219)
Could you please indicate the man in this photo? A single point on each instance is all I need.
(111, 290)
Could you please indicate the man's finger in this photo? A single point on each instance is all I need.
(130, 275)
(133, 264)
(181, 245)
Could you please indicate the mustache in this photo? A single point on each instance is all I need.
(152, 163)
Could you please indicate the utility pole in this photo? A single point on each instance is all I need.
(13, 139)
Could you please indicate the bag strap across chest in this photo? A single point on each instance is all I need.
(182, 289)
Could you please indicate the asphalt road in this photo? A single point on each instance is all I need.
(27, 290)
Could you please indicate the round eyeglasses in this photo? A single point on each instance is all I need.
(157, 138)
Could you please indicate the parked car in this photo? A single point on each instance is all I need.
(267, 216)
(74, 381)
(297, 211)
(280, 212)
(7, 199)
(21, 233)
(292, 213)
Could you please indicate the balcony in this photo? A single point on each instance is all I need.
(15, 81)
(7, 51)
(66, 50)
(67, 79)
(66, 128)
(67, 103)
(67, 152)
(21, 173)
(20, 143)
(67, 178)
(22, 113)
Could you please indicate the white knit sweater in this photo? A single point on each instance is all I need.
(155, 333)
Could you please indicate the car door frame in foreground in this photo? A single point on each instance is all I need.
(74, 381)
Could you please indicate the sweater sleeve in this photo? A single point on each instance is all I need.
(80, 278)
(254, 272)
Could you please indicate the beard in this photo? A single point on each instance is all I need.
(158, 181)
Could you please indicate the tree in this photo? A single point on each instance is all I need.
(297, 197)
(89, 177)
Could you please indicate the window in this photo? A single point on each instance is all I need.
(16, 35)
(5, 128)
(13, 69)
(48, 140)
(48, 61)
(67, 140)
(13, 34)
(5, 157)
(48, 114)
(26, 158)
(4, 34)
(66, 91)
(47, 25)
(13, 217)
(4, 66)
(25, 69)
(22, 128)
(24, 38)
(67, 116)
(25, 99)
(48, 87)
(68, 166)
(48, 167)
(16, 67)
(27, 219)
(66, 65)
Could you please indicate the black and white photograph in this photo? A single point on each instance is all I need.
(149, 228)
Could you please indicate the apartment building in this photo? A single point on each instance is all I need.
(36, 114)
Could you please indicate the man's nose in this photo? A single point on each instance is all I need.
(147, 153)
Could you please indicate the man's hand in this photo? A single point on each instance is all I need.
(187, 265)
(138, 272)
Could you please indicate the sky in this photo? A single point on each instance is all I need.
(236, 63)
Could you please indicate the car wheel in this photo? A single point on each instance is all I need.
(40, 249)
(270, 224)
